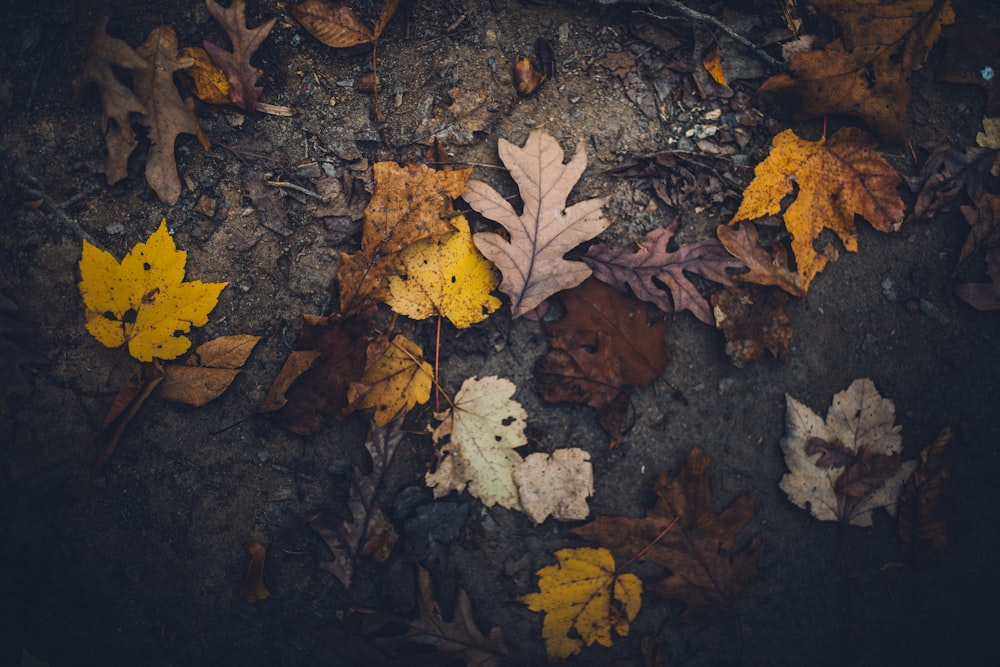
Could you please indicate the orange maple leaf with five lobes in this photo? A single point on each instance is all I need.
(144, 301)
(837, 178)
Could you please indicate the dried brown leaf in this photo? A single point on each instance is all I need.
(767, 267)
(922, 522)
(753, 320)
(332, 23)
(242, 76)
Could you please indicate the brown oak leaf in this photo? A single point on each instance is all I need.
(243, 89)
(602, 345)
(706, 570)
(639, 267)
(409, 204)
(753, 320)
(367, 531)
(532, 262)
(866, 71)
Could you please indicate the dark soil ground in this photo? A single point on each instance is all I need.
(141, 563)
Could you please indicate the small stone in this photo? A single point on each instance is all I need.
(206, 206)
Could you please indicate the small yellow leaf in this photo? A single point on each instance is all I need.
(447, 277)
(396, 379)
(210, 82)
(713, 65)
(584, 593)
(144, 301)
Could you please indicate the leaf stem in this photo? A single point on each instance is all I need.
(437, 367)
(649, 546)
(420, 366)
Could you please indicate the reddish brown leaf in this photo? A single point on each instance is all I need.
(367, 532)
(753, 320)
(338, 25)
(706, 570)
(639, 266)
(922, 524)
(242, 76)
(767, 267)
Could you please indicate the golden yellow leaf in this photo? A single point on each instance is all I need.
(712, 61)
(837, 178)
(446, 277)
(395, 380)
(210, 82)
(409, 204)
(584, 593)
(144, 301)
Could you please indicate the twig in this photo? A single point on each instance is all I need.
(32, 187)
(297, 188)
(711, 20)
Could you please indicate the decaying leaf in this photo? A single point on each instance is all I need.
(367, 531)
(922, 524)
(242, 76)
(947, 174)
(458, 639)
(603, 344)
(409, 204)
(208, 372)
(166, 115)
(447, 277)
(210, 82)
(556, 484)
(707, 570)
(766, 266)
(484, 428)
(639, 267)
(253, 589)
(396, 378)
(316, 377)
(837, 178)
(118, 102)
(337, 25)
(527, 79)
(585, 600)
(753, 320)
(143, 301)
(866, 71)
(846, 467)
(532, 261)
(984, 235)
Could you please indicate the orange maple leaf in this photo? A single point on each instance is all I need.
(837, 178)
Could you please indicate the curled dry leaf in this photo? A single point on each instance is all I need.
(242, 76)
(585, 600)
(532, 261)
(208, 372)
(144, 301)
(837, 178)
(707, 571)
(483, 428)
(846, 467)
(556, 484)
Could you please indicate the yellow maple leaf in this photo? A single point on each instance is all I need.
(584, 593)
(837, 178)
(395, 380)
(446, 276)
(144, 301)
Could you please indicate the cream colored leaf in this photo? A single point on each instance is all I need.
(556, 484)
(484, 428)
(532, 261)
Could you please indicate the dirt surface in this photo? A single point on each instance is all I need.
(141, 562)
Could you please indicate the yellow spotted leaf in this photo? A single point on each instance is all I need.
(144, 301)
(447, 277)
(395, 379)
(210, 82)
(837, 178)
(585, 600)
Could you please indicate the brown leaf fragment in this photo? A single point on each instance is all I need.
(639, 266)
(166, 115)
(458, 639)
(866, 71)
(946, 174)
(531, 260)
(253, 589)
(367, 531)
(333, 23)
(208, 372)
(753, 320)
(767, 267)
(707, 571)
(527, 79)
(315, 378)
(141, 382)
(832, 453)
(242, 76)
(118, 102)
(922, 512)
